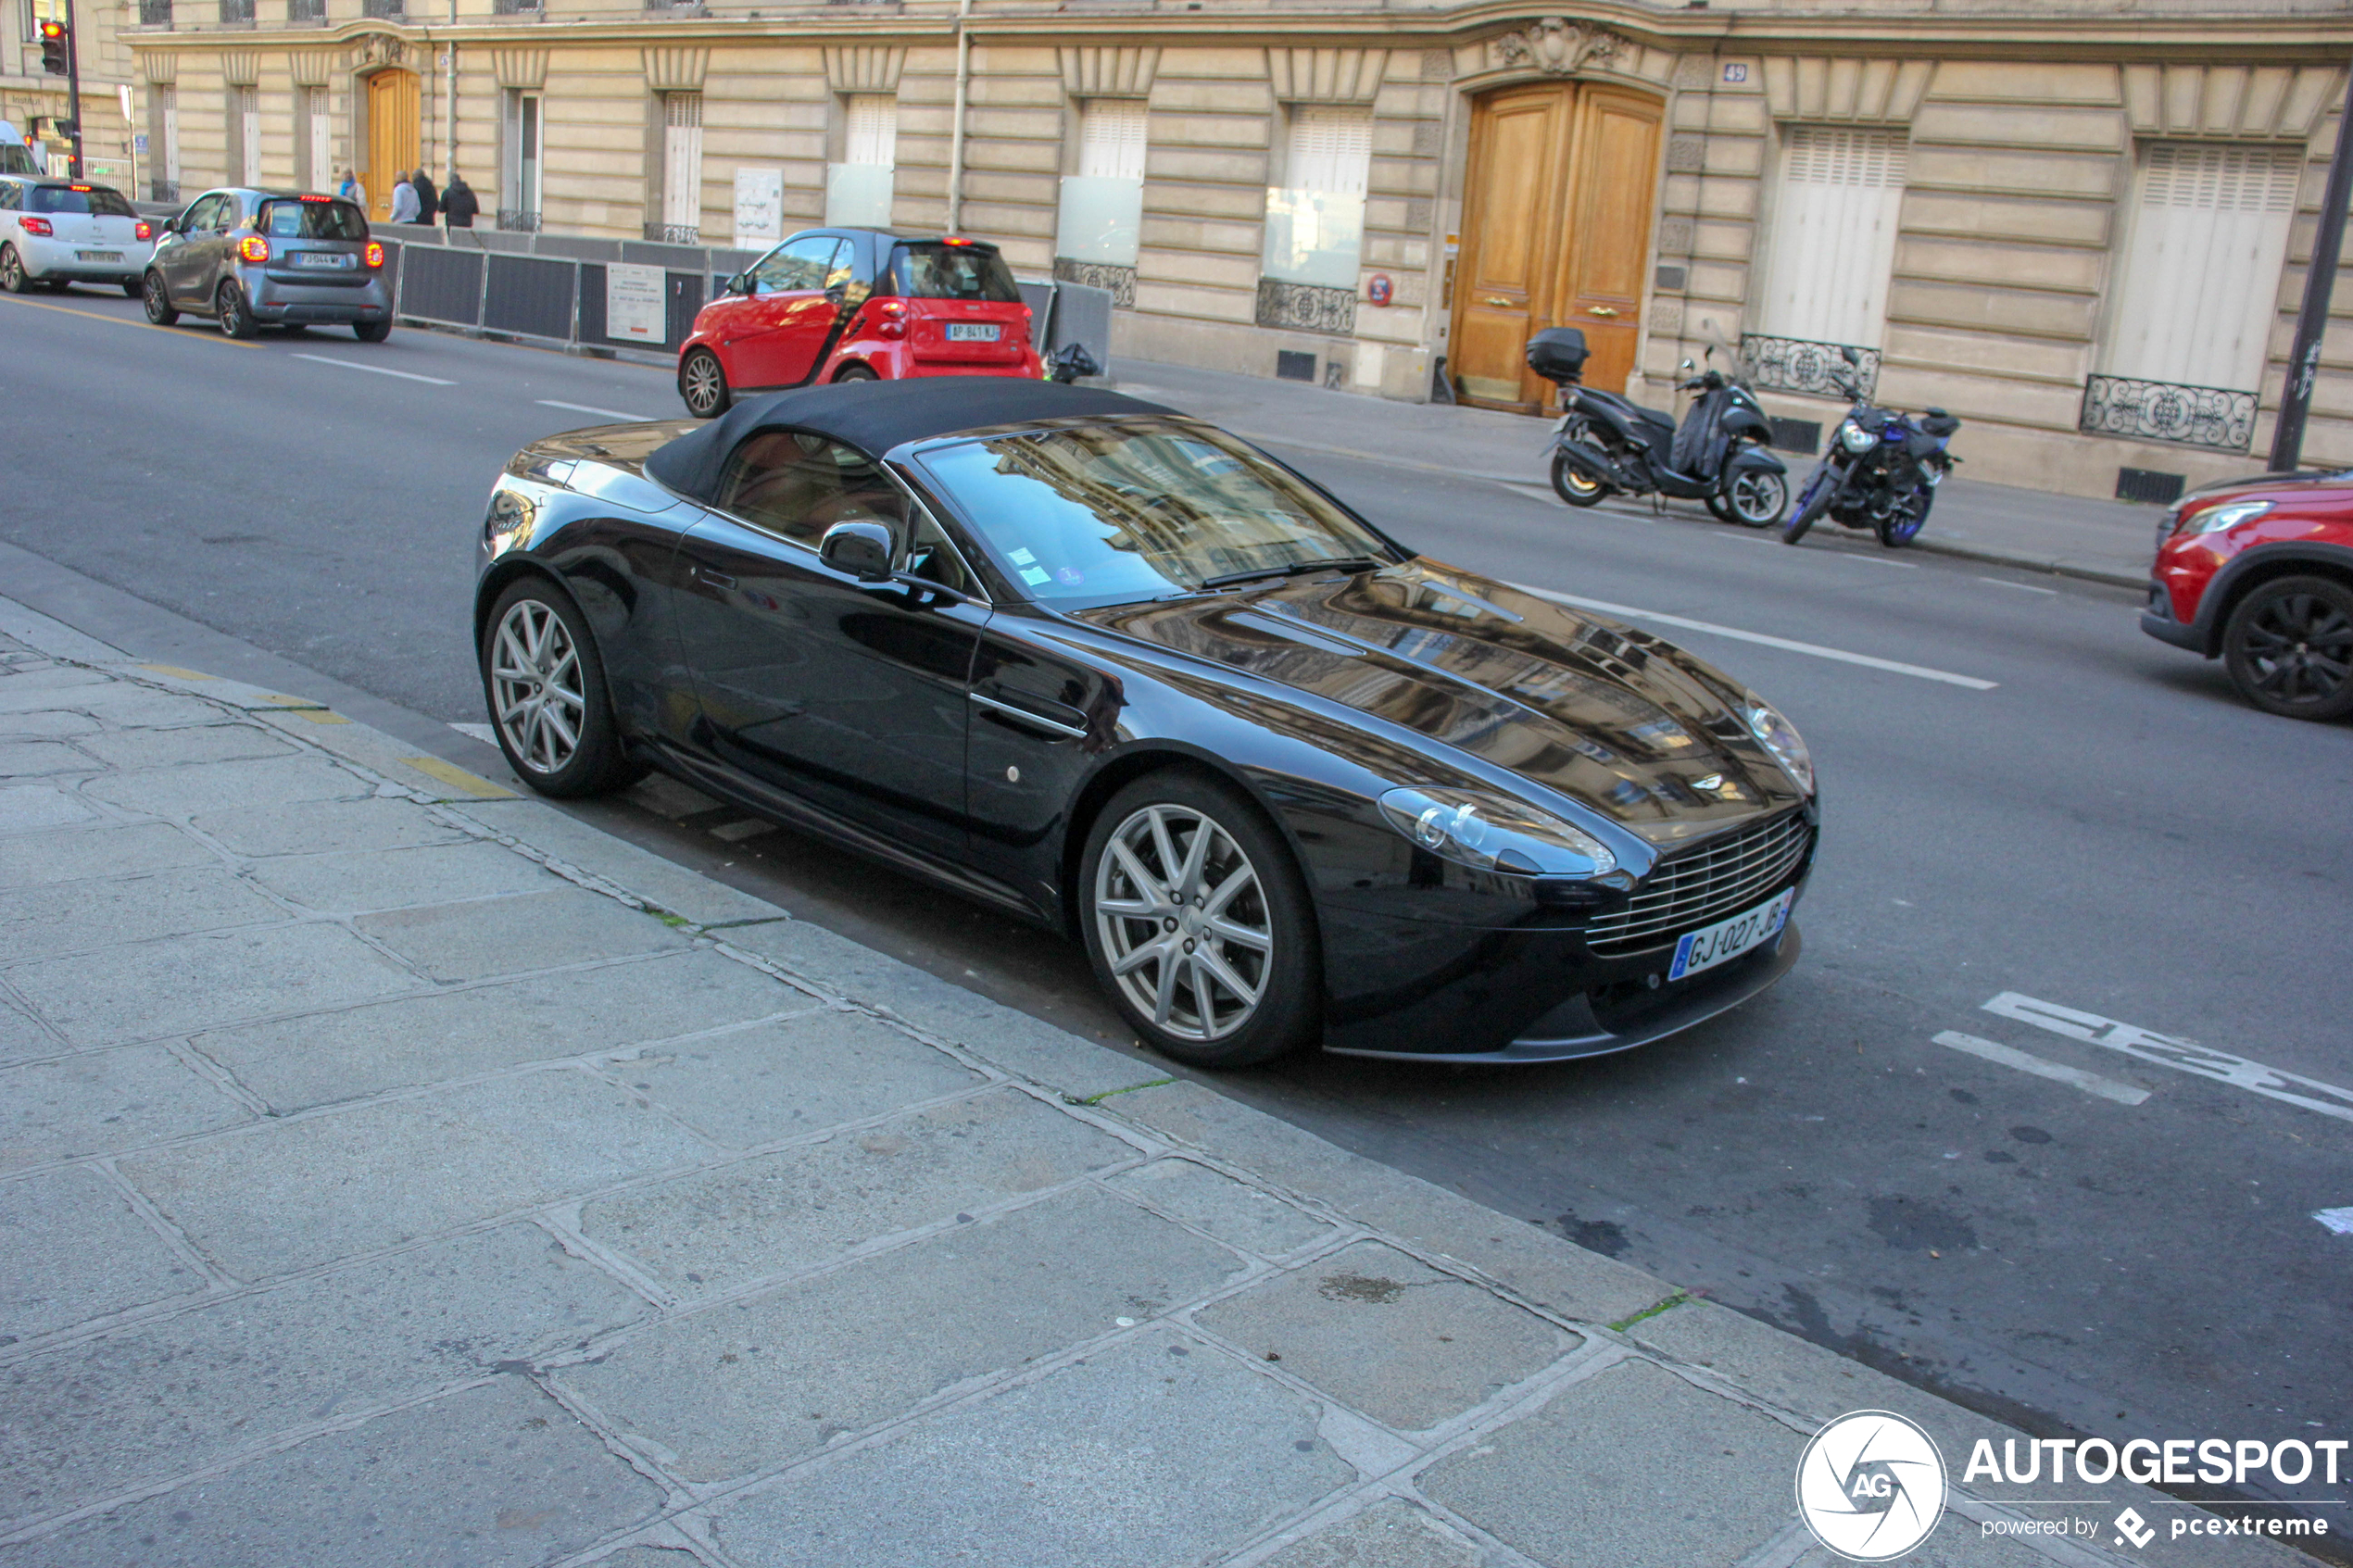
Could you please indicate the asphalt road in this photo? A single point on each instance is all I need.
(2041, 804)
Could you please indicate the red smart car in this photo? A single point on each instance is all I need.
(837, 305)
(2259, 572)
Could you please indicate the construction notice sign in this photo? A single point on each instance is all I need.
(635, 297)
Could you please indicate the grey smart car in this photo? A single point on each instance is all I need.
(250, 258)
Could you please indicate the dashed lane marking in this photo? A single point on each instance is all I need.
(2338, 1221)
(2022, 587)
(131, 321)
(2089, 1083)
(373, 369)
(585, 409)
(1919, 672)
(2183, 1056)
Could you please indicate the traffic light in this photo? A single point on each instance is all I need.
(57, 46)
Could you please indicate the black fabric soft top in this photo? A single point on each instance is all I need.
(877, 416)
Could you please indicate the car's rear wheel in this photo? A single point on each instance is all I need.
(544, 684)
(702, 384)
(1198, 923)
(856, 373)
(2288, 647)
(12, 276)
(159, 300)
(229, 310)
(372, 331)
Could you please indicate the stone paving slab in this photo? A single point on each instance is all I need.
(396, 879)
(156, 748)
(102, 1102)
(66, 916)
(473, 940)
(32, 758)
(44, 859)
(29, 808)
(338, 826)
(214, 787)
(1389, 1535)
(651, 878)
(72, 1248)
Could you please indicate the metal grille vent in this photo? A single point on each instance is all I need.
(1704, 885)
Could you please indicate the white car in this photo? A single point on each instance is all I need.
(59, 231)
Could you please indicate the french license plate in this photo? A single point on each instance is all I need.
(320, 258)
(97, 255)
(1728, 939)
(972, 331)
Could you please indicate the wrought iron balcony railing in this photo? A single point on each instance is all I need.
(1121, 281)
(518, 222)
(1306, 306)
(1792, 364)
(674, 234)
(2154, 410)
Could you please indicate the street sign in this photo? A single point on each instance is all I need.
(760, 206)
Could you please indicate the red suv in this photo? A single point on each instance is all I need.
(858, 304)
(2259, 571)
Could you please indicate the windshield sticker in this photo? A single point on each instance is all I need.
(1032, 575)
(1022, 558)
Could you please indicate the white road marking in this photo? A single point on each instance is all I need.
(482, 733)
(2089, 1083)
(2339, 1220)
(1868, 560)
(1919, 671)
(373, 369)
(2022, 587)
(585, 409)
(2183, 1056)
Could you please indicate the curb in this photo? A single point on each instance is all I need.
(1992, 556)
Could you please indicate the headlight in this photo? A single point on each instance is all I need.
(2215, 519)
(1489, 833)
(1779, 736)
(1854, 438)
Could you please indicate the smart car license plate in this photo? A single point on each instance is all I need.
(972, 331)
(97, 255)
(1728, 939)
(321, 258)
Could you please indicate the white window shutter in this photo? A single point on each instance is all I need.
(1836, 211)
(1331, 150)
(1111, 139)
(682, 162)
(873, 131)
(2200, 280)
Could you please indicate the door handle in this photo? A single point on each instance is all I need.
(1051, 726)
(1495, 299)
(716, 579)
(1601, 310)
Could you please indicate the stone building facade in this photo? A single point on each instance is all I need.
(2079, 227)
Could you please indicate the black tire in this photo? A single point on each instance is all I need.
(1755, 498)
(12, 273)
(2288, 647)
(1574, 485)
(702, 384)
(536, 641)
(1265, 936)
(231, 313)
(159, 300)
(1714, 501)
(372, 331)
(855, 372)
(1811, 510)
(133, 288)
(1897, 530)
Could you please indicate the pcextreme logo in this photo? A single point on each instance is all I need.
(1870, 1486)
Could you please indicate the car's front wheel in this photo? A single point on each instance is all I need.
(544, 683)
(702, 384)
(12, 277)
(159, 300)
(1198, 923)
(2288, 647)
(229, 310)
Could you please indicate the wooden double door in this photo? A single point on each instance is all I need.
(395, 138)
(1557, 232)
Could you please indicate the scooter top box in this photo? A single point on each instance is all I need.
(1557, 353)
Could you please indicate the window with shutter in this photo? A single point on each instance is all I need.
(244, 118)
(1331, 150)
(1836, 211)
(1103, 204)
(1111, 139)
(2200, 280)
(873, 135)
(1316, 220)
(682, 167)
(318, 139)
(857, 189)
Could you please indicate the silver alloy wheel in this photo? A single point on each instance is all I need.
(535, 686)
(1758, 497)
(703, 383)
(11, 271)
(1184, 922)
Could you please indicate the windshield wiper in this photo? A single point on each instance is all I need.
(1296, 568)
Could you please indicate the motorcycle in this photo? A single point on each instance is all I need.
(1880, 473)
(1606, 443)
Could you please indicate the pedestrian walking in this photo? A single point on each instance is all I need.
(352, 190)
(428, 199)
(404, 202)
(458, 203)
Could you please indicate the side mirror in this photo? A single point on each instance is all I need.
(858, 550)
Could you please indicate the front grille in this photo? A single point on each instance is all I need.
(1704, 885)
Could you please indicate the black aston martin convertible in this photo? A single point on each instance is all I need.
(1108, 667)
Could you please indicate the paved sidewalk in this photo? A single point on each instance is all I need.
(398, 1171)
(2102, 541)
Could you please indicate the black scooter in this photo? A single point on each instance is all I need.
(1605, 443)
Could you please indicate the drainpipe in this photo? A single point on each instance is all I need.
(2311, 323)
(956, 135)
(452, 79)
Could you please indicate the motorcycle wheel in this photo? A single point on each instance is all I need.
(1714, 501)
(1811, 504)
(1574, 485)
(1901, 526)
(1754, 500)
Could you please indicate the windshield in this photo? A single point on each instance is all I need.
(313, 220)
(81, 198)
(944, 271)
(1139, 510)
